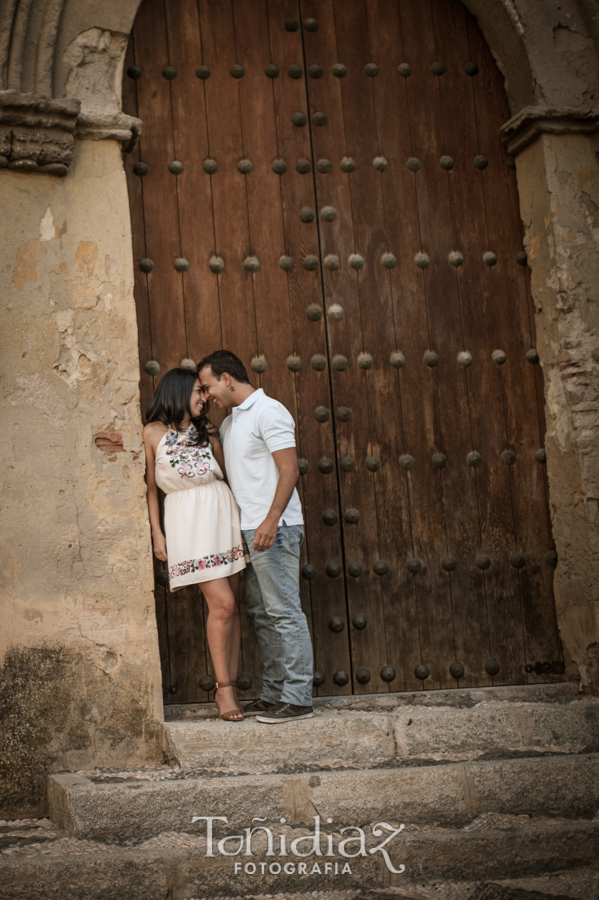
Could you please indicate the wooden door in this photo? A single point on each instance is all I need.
(320, 188)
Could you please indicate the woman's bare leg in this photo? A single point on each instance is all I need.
(235, 630)
(219, 628)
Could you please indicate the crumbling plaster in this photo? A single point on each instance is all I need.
(76, 557)
(114, 16)
(558, 180)
(95, 63)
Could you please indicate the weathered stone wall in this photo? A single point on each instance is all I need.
(558, 179)
(81, 667)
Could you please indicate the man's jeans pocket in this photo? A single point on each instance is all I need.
(295, 536)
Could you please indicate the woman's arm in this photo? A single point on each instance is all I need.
(217, 449)
(152, 435)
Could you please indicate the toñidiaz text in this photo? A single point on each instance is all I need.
(349, 842)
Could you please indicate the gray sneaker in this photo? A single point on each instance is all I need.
(286, 712)
(260, 706)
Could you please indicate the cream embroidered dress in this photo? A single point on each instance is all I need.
(201, 516)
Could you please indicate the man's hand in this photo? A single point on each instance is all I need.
(266, 534)
(286, 463)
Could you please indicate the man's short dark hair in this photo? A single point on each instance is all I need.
(222, 361)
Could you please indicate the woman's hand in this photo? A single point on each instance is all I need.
(159, 542)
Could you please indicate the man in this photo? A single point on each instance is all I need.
(259, 444)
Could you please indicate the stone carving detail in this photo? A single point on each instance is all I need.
(116, 127)
(36, 135)
(523, 128)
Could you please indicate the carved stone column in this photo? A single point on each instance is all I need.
(79, 655)
(558, 180)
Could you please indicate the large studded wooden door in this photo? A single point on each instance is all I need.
(320, 187)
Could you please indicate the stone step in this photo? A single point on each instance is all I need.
(84, 872)
(457, 698)
(177, 865)
(142, 804)
(400, 734)
(329, 740)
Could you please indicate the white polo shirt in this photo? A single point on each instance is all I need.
(250, 435)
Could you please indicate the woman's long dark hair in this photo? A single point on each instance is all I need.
(171, 404)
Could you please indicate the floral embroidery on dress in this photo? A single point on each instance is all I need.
(186, 457)
(207, 562)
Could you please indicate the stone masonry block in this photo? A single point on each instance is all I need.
(329, 740)
(499, 730)
(453, 794)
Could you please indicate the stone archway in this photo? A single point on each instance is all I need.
(74, 572)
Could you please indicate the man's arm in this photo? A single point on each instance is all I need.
(217, 451)
(286, 462)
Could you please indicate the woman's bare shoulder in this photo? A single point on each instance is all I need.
(154, 430)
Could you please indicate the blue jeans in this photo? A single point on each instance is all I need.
(273, 603)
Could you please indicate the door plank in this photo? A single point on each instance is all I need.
(355, 37)
(346, 338)
(186, 632)
(414, 387)
(263, 195)
(225, 142)
(231, 225)
(367, 104)
(528, 477)
(162, 246)
(191, 147)
(135, 191)
(160, 600)
(446, 338)
(487, 414)
(161, 217)
(264, 204)
(320, 489)
(421, 439)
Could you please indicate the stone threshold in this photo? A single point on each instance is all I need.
(486, 724)
(458, 698)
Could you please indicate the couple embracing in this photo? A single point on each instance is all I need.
(213, 532)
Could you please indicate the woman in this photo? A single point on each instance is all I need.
(203, 543)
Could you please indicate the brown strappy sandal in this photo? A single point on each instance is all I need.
(227, 716)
